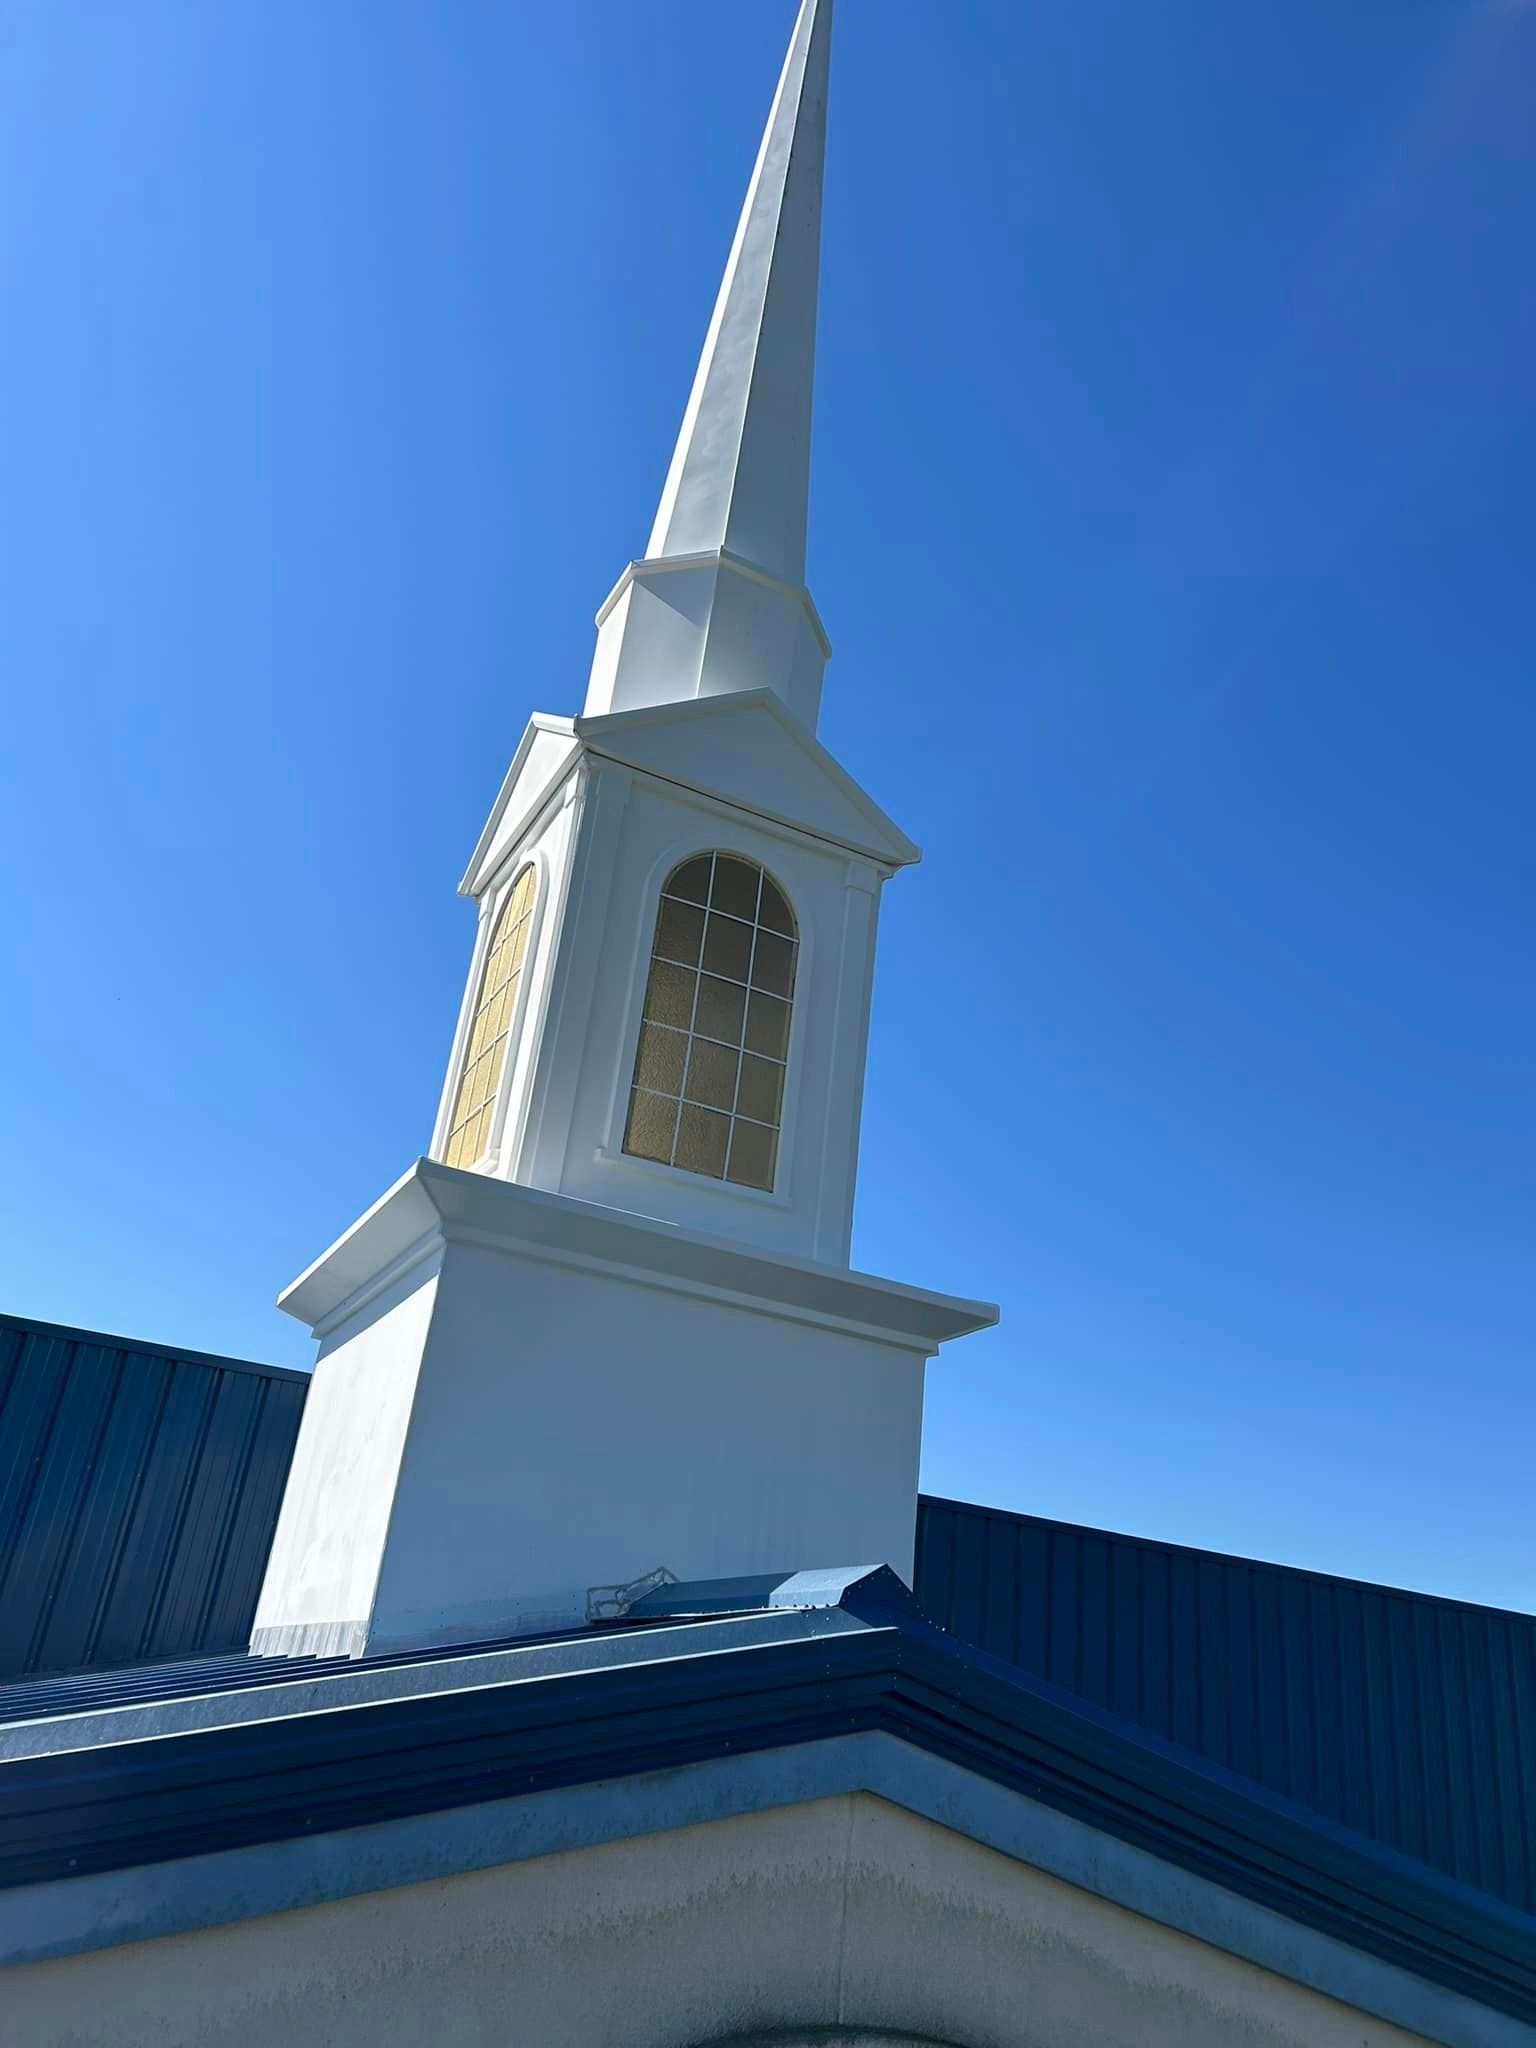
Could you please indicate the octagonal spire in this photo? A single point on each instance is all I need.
(741, 470)
(718, 602)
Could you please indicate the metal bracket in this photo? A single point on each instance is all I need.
(612, 1603)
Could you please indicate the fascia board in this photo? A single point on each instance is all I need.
(606, 735)
(540, 722)
(435, 1205)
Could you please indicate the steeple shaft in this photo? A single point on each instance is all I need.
(718, 604)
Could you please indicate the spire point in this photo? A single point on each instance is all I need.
(718, 602)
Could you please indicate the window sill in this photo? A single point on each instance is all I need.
(652, 1169)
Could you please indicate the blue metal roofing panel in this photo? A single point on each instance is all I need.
(618, 1708)
(1408, 1718)
(139, 1488)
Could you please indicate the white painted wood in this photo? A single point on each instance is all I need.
(719, 601)
(571, 1366)
(520, 1397)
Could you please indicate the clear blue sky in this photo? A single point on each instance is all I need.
(1174, 511)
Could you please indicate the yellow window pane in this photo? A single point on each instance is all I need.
(702, 1135)
(669, 995)
(652, 1126)
(474, 1106)
(698, 1011)
(752, 1150)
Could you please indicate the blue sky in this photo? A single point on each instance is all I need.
(1175, 487)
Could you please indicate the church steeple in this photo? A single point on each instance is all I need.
(607, 1332)
(718, 603)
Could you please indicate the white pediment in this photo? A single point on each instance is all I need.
(749, 749)
(544, 757)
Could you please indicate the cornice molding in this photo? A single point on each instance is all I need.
(433, 1206)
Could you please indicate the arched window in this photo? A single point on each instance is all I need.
(474, 1106)
(709, 1074)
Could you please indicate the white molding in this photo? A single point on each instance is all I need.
(540, 722)
(605, 735)
(456, 1205)
(718, 558)
(658, 1170)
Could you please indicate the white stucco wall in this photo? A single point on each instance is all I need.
(844, 1913)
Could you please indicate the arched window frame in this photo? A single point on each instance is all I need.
(648, 937)
(496, 902)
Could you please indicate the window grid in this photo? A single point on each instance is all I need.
(474, 1105)
(726, 926)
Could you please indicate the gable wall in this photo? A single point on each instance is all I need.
(843, 1913)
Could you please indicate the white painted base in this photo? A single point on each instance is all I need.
(521, 1397)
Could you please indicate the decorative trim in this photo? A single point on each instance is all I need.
(540, 722)
(604, 734)
(433, 1202)
(718, 558)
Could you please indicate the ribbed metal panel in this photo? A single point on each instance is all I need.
(1408, 1718)
(139, 1489)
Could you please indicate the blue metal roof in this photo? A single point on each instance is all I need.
(620, 1702)
(1408, 1718)
(139, 1489)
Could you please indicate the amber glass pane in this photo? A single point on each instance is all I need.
(752, 1150)
(485, 1050)
(728, 947)
(702, 1137)
(679, 932)
(692, 880)
(663, 1057)
(774, 912)
(722, 1006)
(669, 997)
(735, 886)
(773, 964)
(698, 1006)
(712, 1074)
(762, 1090)
(767, 1026)
(652, 1126)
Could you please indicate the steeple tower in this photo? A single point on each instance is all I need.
(718, 602)
(606, 1332)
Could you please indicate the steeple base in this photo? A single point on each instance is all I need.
(522, 1400)
(706, 625)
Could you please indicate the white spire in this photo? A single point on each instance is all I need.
(718, 603)
(741, 468)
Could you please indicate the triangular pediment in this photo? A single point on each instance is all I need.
(749, 749)
(544, 757)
